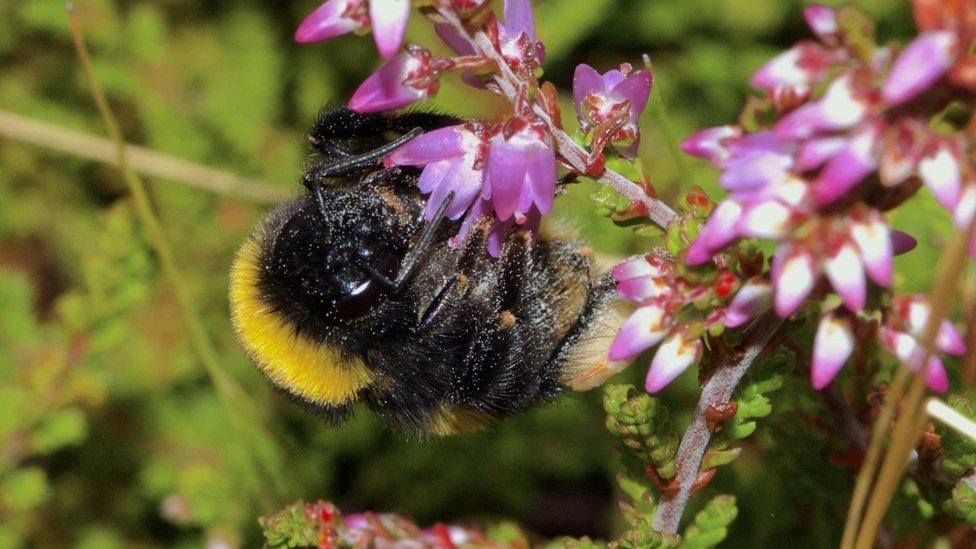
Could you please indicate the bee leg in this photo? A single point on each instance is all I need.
(413, 256)
(437, 305)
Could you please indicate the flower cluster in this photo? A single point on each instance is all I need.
(505, 171)
(675, 309)
(502, 171)
(818, 179)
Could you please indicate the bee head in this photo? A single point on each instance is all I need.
(333, 264)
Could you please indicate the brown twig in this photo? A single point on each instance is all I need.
(142, 160)
(575, 155)
(718, 389)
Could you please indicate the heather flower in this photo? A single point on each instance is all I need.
(662, 295)
(832, 346)
(902, 333)
(510, 179)
(517, 40)
(609, 105)
(922, 63)
(452, 160)
(405, 79)
(521, 170)
(387, 19)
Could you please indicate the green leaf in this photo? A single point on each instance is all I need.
(641, 421)
(711, 523)
(61, 428)
(24, 489)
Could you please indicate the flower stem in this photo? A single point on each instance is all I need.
(142, 160)
(717, 390)
(576, 156)
(912, 417)
(256, 443)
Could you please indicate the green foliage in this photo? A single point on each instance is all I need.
(960, 450)
(293, 526)
(711, 524)
(641, 421)
(962, 504)
(751, 403)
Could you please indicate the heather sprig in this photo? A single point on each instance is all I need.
(844, 131)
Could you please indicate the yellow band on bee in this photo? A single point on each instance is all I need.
(305, 368)
(448, 421)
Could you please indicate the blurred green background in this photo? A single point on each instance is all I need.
(111, 432)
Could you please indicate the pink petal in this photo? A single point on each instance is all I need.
(923, 62)
(936, 377)
(432, 175)
(519, 18)
(768, 219)
(814, 152)
(635, 268)
(874, 240)
(643, 288)
(855, 162)
(636, 88)
(949, 341)
(522, 172)
(674, 356)
(429, 147)
(966, 207)
(800, 65)
(841, 107)
(940, 173)
(832, 346)
(793, 283)
(542, 178)
(325, 22)
(710, 143)
(846, 275)
(822, 20)
(644, 329)
(717, 232)
(453, 38)
(466, 184)
(389, 21)
(586, 80)
(384, 89)
(754, 298)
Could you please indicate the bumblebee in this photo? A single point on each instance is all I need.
(347, 295)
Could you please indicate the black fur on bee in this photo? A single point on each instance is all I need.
(347, 295)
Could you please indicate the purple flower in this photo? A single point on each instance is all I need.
(610, 104)
(516, 39)
(902, 333)
(387, 18)
(822, 20)
(511, 181)
(521, 170)
(405, 79)
(832, 346)
(645, 328)
(798, 68)
(673, 357)
(922, 63)
(753, 299)
(451, 158)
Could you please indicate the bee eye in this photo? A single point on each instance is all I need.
(361, 296)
